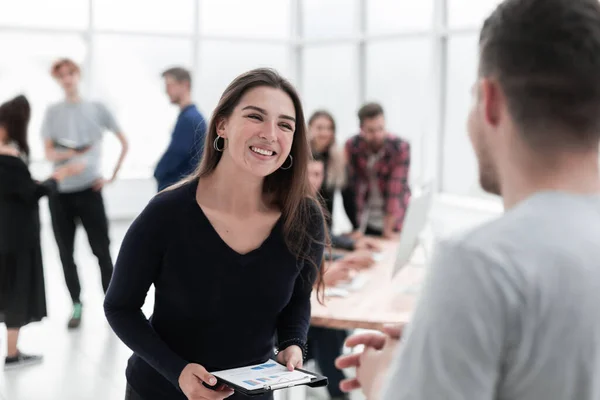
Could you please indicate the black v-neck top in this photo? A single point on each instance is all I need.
(213, 306)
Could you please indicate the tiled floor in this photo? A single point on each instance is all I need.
(85, 364)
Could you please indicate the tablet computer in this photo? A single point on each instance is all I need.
(256, 380)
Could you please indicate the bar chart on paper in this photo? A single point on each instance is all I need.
(263, 375)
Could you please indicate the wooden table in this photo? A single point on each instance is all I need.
(380, 301)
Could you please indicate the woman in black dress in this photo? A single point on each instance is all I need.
(22, 293)
(233, 252)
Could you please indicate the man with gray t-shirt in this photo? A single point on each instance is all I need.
(511, 310)
(72, 132)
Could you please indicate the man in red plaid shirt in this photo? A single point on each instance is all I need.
(378, 164)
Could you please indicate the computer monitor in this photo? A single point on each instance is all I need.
(415, 222)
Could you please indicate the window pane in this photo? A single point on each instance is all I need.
(256, 18)
(461, 175)
(133, 89)
(220, 62)
(27, 71)
(399, 74)
(330, 81)
(386, 16)
(469, 12)
(63, 14)
(329, 18)
(172, 16)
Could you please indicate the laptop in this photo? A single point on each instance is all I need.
(415, 221)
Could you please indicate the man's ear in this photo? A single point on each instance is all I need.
(493, 100)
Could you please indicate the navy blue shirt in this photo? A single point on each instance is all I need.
(212, 306)
(186, 147)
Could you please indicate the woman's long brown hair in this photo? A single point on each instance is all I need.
(14, 116)
(290, 189)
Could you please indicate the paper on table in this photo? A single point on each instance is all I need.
(269, 375)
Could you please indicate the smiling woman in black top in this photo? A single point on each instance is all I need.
(233, 252)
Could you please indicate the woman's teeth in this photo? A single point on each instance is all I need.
(261, 151)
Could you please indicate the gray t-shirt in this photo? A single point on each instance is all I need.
(79, 124)
(510, 311)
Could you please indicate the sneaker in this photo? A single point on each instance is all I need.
(75, 320)
(21, 360)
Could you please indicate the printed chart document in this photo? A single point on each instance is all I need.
(264, 377)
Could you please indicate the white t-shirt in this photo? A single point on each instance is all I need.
(511, 311)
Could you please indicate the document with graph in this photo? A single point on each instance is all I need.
(269, 376)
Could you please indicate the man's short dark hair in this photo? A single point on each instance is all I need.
(545, 54)
(369, 111)
(179, 74)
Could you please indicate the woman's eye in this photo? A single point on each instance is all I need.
(255, 116)
(287, 126)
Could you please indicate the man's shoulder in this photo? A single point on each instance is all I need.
(193, 116)
(56, 106)
(354, 140)
(397, 143)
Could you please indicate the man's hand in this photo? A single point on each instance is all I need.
(367, 243)
(291, 357)
(337, 272)
(391, 235)
(355, 235)
(371, 340)
(359, 259)
(373, 367)
(191, 383)
(68, 170)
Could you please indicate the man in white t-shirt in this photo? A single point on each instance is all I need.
(72, 130)
(511, 309)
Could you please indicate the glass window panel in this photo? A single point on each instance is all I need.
(330, 82)
(27, 71)
(461, 174)
(386, 16)
(399, 76)
(470, 12)
(221, 61)
(167, 16)
(73, 14)
(256, 18)
(329, 18)
(127, 77)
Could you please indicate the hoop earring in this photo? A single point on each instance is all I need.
(291, 163)
(216, 144)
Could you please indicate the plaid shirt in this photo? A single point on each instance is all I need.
(391, 170)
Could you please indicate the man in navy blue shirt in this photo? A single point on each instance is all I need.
(187, 141)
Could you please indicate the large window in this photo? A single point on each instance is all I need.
(221, 61)
(127, 77)
(389, 16)
(255, 18)
(329, 19)
(162, 16)
(417, 58)
(469, 13)
(27, 71)
(58, 14)
(329, 82)
(399, 77)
